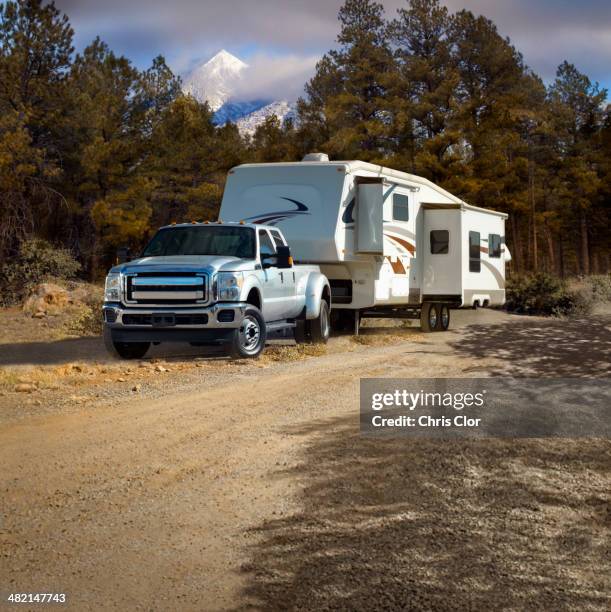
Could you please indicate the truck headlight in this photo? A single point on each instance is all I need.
(229, 285)
(112, 289)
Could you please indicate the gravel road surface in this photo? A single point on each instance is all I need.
(220, 486)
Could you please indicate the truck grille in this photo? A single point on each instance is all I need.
(165, 320)
(169, 288)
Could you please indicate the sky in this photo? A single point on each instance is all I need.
(282, 39)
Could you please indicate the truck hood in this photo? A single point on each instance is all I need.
(210, 264)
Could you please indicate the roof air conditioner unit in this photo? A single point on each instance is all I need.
(315, 157)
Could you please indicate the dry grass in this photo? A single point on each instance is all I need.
(51, 377)
(294, 353)
(387, 335)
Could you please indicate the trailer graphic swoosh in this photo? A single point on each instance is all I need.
(498, 277)
(404, 243)
(273, 217)
(348, 216)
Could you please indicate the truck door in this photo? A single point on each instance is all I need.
(287, 283)
(270, 279)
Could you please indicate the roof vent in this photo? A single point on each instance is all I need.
(315, 157)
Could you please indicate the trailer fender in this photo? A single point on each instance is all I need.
(317, 289)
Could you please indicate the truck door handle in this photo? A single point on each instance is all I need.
(281, 277)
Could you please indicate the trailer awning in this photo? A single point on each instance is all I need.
(440, 206)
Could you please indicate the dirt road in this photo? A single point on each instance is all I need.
(249, 486)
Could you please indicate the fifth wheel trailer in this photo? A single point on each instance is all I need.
(391, 244)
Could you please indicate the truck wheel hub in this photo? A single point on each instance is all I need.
(250, 333)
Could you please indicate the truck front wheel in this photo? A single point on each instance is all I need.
(249, 339)
(124, 350)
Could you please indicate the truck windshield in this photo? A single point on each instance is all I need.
(203, 240)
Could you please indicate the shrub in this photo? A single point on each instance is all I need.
(543, 294)
(600, 287)
(37, 261)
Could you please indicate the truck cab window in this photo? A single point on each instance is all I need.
(440, 242)
(266, 246)
(494, 245)
(475, 264)
(400, 207)
(277, 238)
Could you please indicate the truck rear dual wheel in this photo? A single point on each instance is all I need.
(314, 331)
(434, 317)
(248, 340)
(124, 350)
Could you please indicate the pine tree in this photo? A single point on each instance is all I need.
(346, 98)
(35, 53)
(579, 117)
(423, 96)
(183, 164)
(500, 102)
(108, 142)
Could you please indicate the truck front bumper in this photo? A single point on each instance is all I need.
(215, 323)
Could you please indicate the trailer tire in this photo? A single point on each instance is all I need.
(443, 317)
(428, 317)
(124, 350)
(248, 340)
(320, 327)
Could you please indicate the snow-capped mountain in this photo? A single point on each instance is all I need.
(217, 81)
(282, 109)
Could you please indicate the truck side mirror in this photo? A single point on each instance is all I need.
(123, 255)
(269, 261)
(284, 257)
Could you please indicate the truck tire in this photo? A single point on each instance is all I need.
(429, 317)
(248, 340)
(320, 327)
(316, 330)
(302, 331)
(124, 350)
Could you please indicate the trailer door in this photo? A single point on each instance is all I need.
(441, 271)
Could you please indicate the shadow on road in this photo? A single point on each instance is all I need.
(536, 347)
(425, 525)
(91, 350)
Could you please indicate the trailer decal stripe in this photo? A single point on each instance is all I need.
(404, 243)
(397, 266)
(497, 275)
(348, 216)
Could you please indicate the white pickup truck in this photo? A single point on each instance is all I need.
(211, 283)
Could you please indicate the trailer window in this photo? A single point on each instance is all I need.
(494, 245)
(440, 242)
(266, 246)
(475, 264)
(400, 207)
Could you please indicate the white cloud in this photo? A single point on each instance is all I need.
(546, 31)
(275, 78)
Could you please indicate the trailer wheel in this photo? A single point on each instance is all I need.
(443, 317)
(428, 317)
(124, 350)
